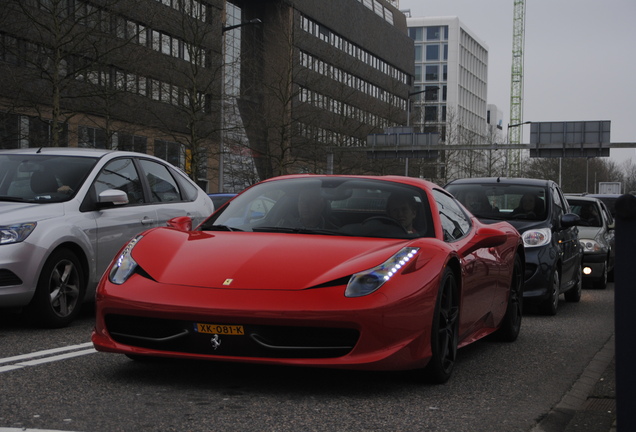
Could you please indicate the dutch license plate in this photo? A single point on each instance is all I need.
(221, 329)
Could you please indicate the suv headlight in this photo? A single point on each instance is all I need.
(537, 237)
(16, 233)
(124, 266)
(368, 281)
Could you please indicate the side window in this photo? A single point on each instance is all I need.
(121, 174)
(163, 187)
(455, 223)
(559, 201)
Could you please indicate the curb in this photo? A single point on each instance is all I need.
(578, 399)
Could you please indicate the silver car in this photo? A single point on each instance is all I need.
(65, 213)
(596, 234)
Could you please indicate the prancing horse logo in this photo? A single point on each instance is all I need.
(215, 341)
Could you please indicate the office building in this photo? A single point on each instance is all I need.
(288, 84)
(450, 84)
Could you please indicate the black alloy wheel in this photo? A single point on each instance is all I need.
(574, 294)
(445, 331)
(60, 290)
(551, 304)
(511, 323)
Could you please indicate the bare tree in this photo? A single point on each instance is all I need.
(55, 45)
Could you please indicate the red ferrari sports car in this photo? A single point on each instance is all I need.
(376, 273)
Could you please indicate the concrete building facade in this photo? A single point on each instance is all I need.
(450, 82)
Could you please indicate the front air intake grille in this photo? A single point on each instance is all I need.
(8, 278)
(252, 341)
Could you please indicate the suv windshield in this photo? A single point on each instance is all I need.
(331, 206)
(42, 178)
(502, 201)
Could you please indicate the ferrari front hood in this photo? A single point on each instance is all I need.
(246, 260)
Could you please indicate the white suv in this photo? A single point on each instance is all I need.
(65, 213)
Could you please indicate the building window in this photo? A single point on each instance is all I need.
(432, 52)
(170, 152)
(433, 33)
(90, 137)
(418, 53)
(418, 73)
(431, 93)
(430, 113)
(127, 142)
(432, 72)
(416, 33)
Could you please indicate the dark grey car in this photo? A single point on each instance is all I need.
(540, 212)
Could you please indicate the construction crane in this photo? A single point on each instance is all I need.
(515, 131)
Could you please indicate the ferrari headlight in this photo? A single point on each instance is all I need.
(16, 233)
(537, 237)
(368, 281)
(590, 246)
(124, 265)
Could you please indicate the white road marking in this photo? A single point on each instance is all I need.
(45, 356)
(28, 430)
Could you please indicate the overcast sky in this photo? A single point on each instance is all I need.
(579, 58)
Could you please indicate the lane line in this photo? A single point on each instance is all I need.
(45, 356)
(44, 352)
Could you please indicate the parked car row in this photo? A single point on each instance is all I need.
(376, 273)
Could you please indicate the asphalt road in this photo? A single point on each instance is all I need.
(495, 387)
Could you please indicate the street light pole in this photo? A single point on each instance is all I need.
(508, 142)
(408, 116)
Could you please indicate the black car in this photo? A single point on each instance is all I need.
(540, 212)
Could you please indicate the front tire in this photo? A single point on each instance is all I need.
(511, 323)
(601, 283)
(574, 294)
(60, 291)
(445, 331)
(551, 304)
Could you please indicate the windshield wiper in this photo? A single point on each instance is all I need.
(12, 199)
(220, 228)
(296, 230)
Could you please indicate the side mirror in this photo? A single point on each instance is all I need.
(485, 237)
(113, 196)
(182, 223)
(569, 220)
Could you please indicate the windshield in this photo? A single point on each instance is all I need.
(502, 201)
(330, 206)
(42, 178)
(588, 211)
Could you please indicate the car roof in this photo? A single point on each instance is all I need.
(502, 180)
(412, 181)
(571, 197)
(604, 195)
(71, 151)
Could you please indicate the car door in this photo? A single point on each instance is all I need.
(480, 269)
(167, 195)
(117, 224)
(567, 239)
